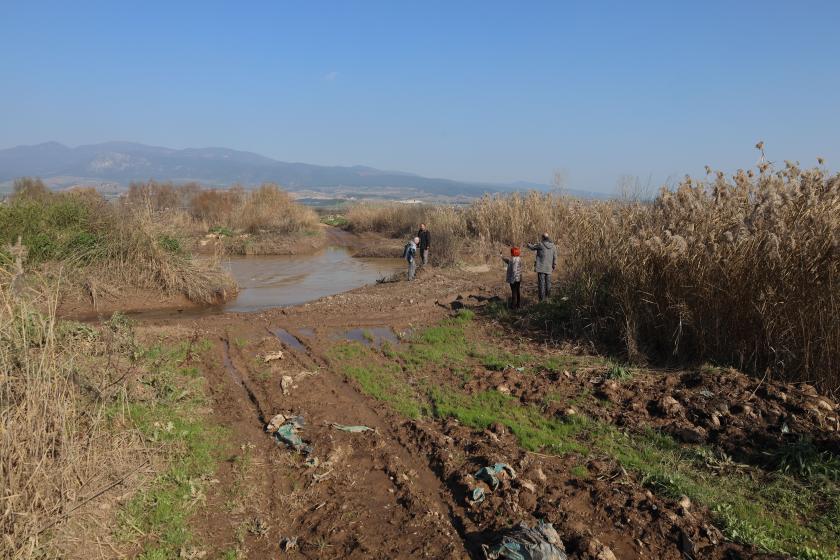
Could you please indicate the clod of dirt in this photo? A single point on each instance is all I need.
(609, 390)
(286, 384)
(288, 543)
(668, 406)
(271, 356)
(598, 551)
(688, 434)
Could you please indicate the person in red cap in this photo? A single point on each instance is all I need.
(514, 276)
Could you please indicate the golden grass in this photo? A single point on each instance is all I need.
(57, 448)
(267, 209)
(395, 220)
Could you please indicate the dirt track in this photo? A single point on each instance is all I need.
(399, 491)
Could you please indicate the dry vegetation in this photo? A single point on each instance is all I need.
(742, 270)
(191, 210)
(403, 220)
(103, 247)
(57, 445)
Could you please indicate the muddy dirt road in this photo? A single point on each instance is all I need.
(402, 489)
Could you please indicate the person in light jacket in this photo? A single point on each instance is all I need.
(514, 276)
(545, 264)
(410, 254)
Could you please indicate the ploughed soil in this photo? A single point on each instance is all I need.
(399, 490)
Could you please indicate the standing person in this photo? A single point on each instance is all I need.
(409, 253)
(545, 264)
(425, 240)
(514, 276)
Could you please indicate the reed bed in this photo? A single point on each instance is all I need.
(741, 270)
(396, 220)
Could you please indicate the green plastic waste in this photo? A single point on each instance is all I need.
(287, 434)
(352, 429)
(526, 543)
(488, 474)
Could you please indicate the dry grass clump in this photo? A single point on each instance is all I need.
(267, 209)
(116, 245)
(446, 224)
(742, 270)
(58, 449)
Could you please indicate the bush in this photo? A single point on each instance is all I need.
(123, 245)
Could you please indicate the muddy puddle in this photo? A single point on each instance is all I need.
(280, 280)
(371, 336)
(267, 281)
(288, 339)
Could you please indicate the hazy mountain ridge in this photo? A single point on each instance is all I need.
(123, 162)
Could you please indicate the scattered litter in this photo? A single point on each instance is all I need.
(285, 430)
(351, 429)
(489, 474)
(520, 369)
(286, 384)
(706, 393)
(319, 477)
(597, 380)
(288, 543)
(525, 543)
(275, 423)
(312, 462)
(477, 495)
(271, 356)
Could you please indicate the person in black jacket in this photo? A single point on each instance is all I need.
(425, 241)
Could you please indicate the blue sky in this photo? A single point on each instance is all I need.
(491, 91)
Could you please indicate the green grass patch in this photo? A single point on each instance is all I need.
(383, 381)
(534, 431)
(172, 420)
(335, 220)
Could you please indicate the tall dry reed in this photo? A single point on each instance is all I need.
(446, 225)
(58, 448)
(742, 270)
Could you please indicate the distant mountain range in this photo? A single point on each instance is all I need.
(116, 164)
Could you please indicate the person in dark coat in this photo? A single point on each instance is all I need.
(545, 264)
(425, 241)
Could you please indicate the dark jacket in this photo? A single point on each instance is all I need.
(546, 256)
(425, 239)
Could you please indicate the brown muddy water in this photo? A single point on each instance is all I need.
(279, 280)
(267, 281)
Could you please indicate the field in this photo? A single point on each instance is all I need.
(675, 399)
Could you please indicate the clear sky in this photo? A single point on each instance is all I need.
(484, 90)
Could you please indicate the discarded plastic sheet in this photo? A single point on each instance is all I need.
(287, 432)
(351, 429)
(477, 495)
(525, 543)
(488, 474)
(271, 356)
